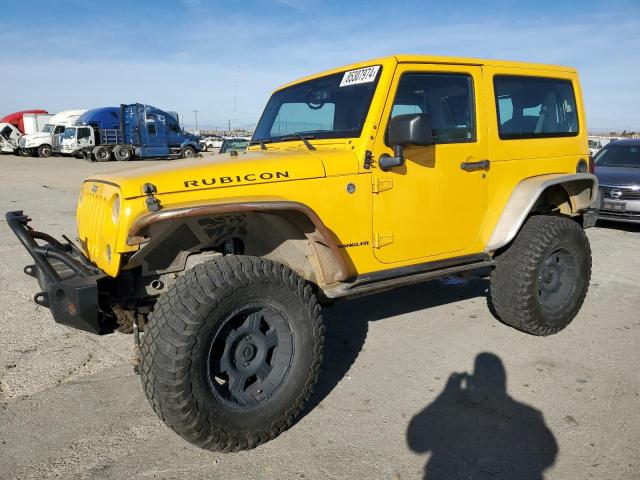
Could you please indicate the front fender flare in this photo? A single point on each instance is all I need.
(581, 188)
(336, 270)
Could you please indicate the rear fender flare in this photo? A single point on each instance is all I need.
(581, 190)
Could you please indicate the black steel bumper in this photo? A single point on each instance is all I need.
(69, 282)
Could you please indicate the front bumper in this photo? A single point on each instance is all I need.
(69, 283)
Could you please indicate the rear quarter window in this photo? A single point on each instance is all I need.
(535, 107)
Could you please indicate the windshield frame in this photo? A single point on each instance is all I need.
(319, 134)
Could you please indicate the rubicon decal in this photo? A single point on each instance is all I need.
(235, 179)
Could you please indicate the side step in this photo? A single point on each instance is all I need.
(399, 277)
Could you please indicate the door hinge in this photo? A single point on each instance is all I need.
(382, 184)
(382, 239)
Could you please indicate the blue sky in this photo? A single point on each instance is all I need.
(185, 55)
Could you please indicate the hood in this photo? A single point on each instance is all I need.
(37, 136)
(618, 176)
(220, 171)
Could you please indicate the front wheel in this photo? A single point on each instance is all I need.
(232, 351)
(44, 151)
(188, 152)
(541, 280)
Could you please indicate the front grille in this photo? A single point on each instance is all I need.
(626, 193)
(91, 217)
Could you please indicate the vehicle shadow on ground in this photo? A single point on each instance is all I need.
(626, 227)
(347, 322)
(474, 429)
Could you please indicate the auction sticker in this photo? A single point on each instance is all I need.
(361, 75)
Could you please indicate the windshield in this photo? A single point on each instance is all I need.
(334, 106)
(234, 144)
(619, 156)
(48, 128)
(70, 132)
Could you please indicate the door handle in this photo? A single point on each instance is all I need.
(473, 166)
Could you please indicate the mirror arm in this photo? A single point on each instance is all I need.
(387, 162)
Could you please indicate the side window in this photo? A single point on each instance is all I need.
(83, 133)
(59, 129)
(151, 128)
(535, 107)
(446, 97)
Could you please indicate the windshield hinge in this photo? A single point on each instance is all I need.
(153, 204)
(368, 160)
(381, 184)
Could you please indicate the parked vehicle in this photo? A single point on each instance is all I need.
(617, 167)
(128, 132)
(17, 119)
(596, 143)
(361, 179)
(40, 144)
(35, 122)
(211, 143)
(87, 125)
(9, 135)
(236, 144)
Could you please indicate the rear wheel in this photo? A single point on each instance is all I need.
(44, 151)
(101, 154)
(122, 153)
(188, 152)
(541, 280)
(231, 353)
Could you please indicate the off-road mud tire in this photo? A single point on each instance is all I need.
(516, 281)
(174, 366)
(124, 319)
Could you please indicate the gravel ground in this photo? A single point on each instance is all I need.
(414, 379)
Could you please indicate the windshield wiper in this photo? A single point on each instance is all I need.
(303, 139)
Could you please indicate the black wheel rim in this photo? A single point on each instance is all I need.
(557, 280)
(250, 356)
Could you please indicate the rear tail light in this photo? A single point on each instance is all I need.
(592, 164)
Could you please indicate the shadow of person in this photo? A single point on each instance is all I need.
(475, 430)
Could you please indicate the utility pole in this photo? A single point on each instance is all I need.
(229, 128)
(196, 113)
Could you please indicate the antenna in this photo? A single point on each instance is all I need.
(235, 97)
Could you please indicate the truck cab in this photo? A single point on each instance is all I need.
(127, 132)
(9, 136)
(40, 144)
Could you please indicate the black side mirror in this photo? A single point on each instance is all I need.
(406, 130)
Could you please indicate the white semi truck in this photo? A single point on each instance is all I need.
(40, 144)
(10, 134)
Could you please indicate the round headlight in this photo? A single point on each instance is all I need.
(115, 208)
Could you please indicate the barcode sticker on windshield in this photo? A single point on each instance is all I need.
(361, 75)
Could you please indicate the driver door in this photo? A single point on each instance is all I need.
(433, 206)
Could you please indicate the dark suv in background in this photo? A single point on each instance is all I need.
(617, 167)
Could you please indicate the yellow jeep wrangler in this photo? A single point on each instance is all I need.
(359, 179)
